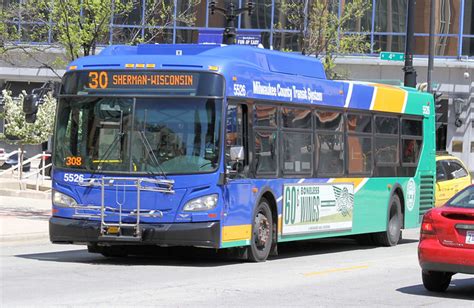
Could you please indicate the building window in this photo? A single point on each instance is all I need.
(457, 146)
(390, 16)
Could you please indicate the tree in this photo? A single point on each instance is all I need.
(159, 17)
(80, 26)
(17, 131)
(322, 32)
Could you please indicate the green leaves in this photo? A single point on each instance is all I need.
(324, 33)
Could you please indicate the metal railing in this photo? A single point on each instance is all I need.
(39, 173)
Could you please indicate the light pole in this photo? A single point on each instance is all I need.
(230, 15)
(431, 47)
(410, 73)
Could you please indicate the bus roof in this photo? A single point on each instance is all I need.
(262, 74)
(194, 56)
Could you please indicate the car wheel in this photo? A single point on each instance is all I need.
(392, 235)
(436, 281)
(262, 233)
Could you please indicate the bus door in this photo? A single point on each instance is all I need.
(238, 203)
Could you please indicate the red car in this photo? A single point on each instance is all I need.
(447, 241)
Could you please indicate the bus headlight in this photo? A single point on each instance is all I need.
(62, 200)
(204, 203)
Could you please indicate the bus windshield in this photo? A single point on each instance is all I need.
(142, 135)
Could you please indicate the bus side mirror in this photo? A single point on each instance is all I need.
(30, 107)
(237, 153)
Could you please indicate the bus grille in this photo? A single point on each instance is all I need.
(426, 194)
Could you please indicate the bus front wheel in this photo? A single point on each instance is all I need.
(262, 233)
(392, 235)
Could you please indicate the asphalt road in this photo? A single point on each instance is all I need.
(334, 272)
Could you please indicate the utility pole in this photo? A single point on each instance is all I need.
(431, 47)
(410, 73)
(230, 15)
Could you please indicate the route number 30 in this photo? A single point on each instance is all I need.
(98, 80)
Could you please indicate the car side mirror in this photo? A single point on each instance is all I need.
(237, 153)
(440, 177)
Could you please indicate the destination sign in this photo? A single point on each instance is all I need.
(108, 79)
(143, 82)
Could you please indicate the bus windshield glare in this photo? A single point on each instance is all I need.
(142, 135)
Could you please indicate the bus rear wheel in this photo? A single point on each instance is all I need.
(392, 235)
(262, 233)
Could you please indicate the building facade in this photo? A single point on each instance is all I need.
(383, 26)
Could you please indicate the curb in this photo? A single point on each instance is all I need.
(23, 237)
(25, 194)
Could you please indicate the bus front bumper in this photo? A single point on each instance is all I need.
(76, 231)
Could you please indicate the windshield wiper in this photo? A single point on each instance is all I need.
(148, 147)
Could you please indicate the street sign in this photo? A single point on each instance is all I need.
(392, 56)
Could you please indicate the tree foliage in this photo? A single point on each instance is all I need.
(322, 31)
(16, 130)
(79, 26)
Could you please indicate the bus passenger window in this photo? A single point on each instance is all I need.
(330, 144)
(411, 150)
(265, 151)
(411, 140)
(359, 143)
(387, 146)
(360, 154)
(265, 116)
(236, 135)
(297, 153)
(331, 154)
(386, 150)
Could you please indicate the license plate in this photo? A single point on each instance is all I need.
(113, 230)
(470, 237)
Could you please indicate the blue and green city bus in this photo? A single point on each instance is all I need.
(233, 147)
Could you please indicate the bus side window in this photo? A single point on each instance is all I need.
(236, 132)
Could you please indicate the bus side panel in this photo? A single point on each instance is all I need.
(239, 201)
(423, 104)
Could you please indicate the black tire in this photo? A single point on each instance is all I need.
(436, 281)
(392, 235)
(262, 233)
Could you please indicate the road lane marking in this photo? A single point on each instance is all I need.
(335, 270)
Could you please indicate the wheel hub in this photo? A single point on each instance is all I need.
(262, 229)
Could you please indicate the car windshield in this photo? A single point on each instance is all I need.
(152, 135)
(464, 199)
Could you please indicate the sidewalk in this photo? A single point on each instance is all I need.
(23, 218)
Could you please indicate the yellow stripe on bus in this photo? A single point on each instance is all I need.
(280, 224)
(107, 161)
(389, 99)
(355, 181)
(236, 233)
